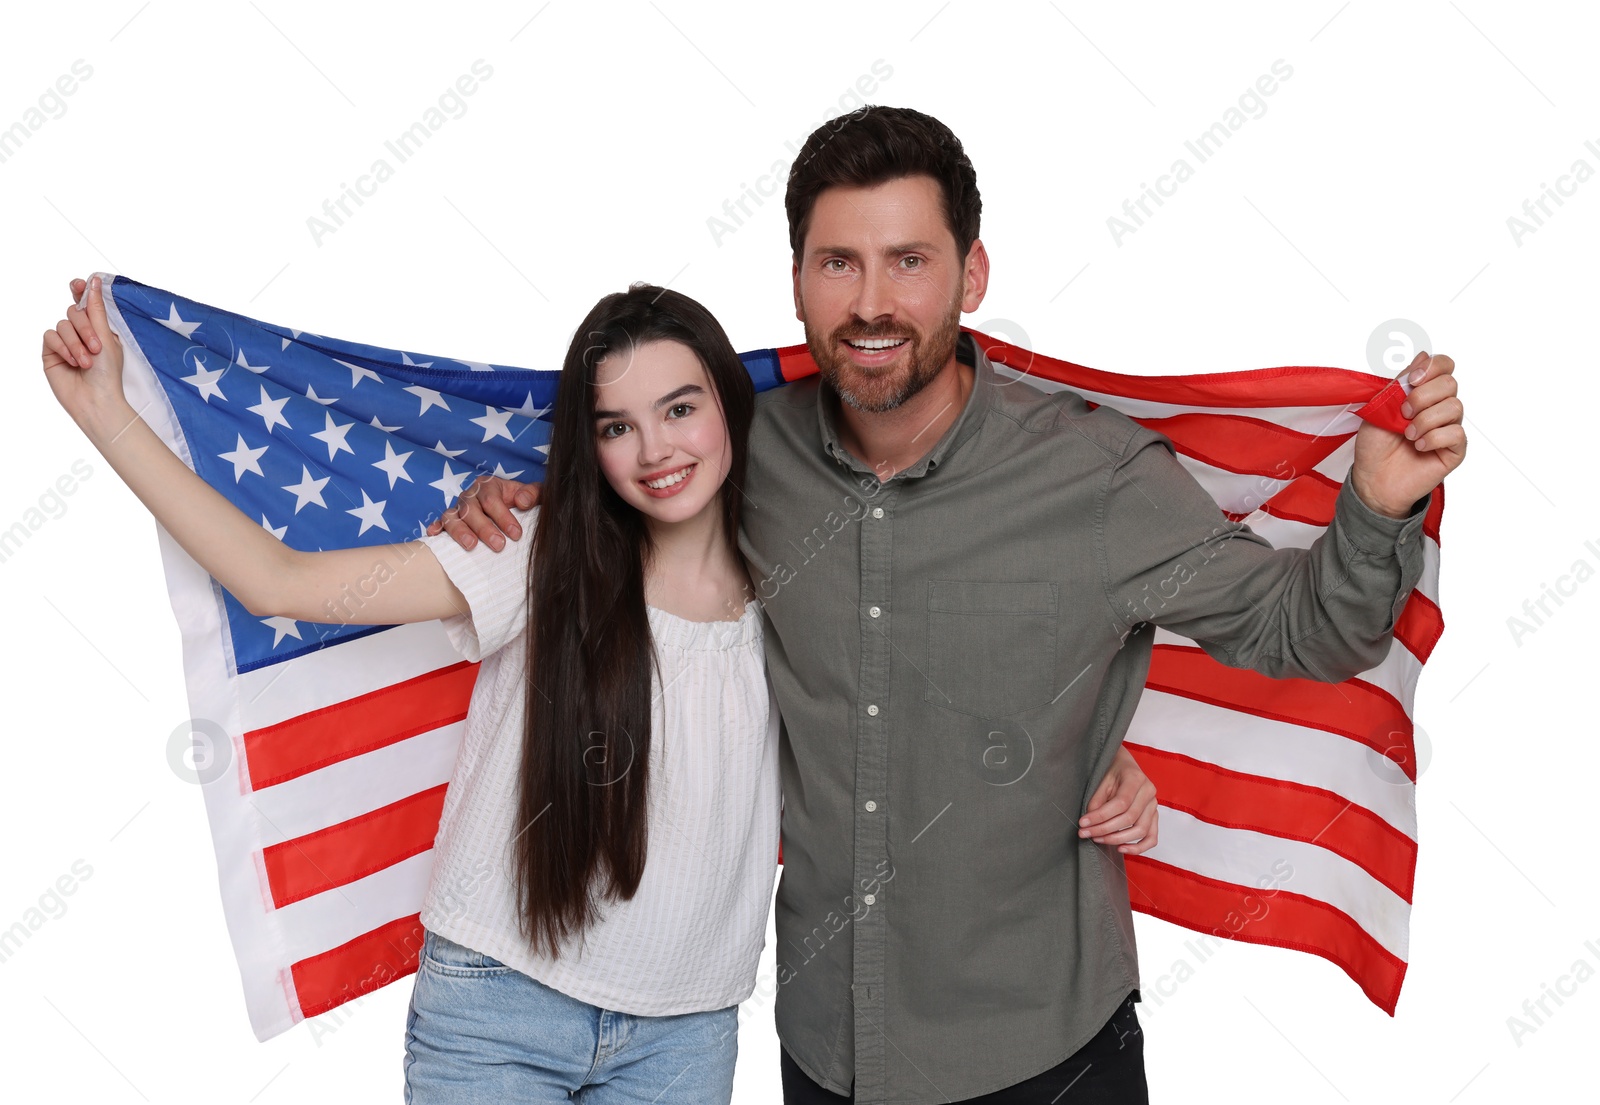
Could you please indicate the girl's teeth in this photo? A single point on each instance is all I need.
(668, 481)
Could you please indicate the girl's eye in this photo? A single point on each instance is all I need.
(684, 407)
(613, 426)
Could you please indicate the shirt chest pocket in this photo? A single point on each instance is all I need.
(991, 646)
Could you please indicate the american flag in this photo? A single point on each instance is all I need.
(324, 750)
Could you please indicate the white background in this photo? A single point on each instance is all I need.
(1376, 185)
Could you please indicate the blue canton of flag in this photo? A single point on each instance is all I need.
(329, 443)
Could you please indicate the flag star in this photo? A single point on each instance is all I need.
(282, 627)
(442, 451)
(308, 490)
(271, 411)
(177, 325)
(406, 360)
(311, 394)
(370, 513)
(394, 466)
(476, 366)
(379, 425)
(357, 372)
(429, 397)
(495, 423)
(206, 379)
(332, 435)
(243, 459)
(529, 411)
(278, 533)
(501, 474)
(450, 483)
(258, 369)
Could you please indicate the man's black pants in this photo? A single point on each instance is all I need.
(1108, 1070)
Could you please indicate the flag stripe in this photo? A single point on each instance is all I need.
(1420, 624)
(355, 787)
(358, 725)
(353, 849)
(1354, 708)
(1281, 808)
(1247, 446)
(356, 667)
(358, 966)
(1291, 921)
(1252, 859)
(1274, 749)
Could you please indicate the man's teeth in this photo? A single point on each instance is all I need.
(876, 343)
(667, 481)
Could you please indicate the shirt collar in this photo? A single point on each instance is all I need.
(967, 423)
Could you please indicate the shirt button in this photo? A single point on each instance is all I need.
(874, 611)
(872, 711)
(871, 806)
(869, 899)
(877, 512)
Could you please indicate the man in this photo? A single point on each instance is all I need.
(961, 581)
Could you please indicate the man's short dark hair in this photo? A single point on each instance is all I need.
(873, 145)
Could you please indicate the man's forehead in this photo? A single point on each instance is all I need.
(900, 211)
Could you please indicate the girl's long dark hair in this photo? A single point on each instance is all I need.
(581, 827)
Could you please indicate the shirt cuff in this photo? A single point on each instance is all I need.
(1375, 534)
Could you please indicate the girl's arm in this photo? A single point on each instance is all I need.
(373, 585)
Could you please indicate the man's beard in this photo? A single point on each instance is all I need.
(877, 390)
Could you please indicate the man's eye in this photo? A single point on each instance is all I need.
(911, 262)
(831, 262)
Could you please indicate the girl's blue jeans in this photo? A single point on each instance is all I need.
(481, 1031)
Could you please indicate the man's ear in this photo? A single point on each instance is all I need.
(974, 277)
(794, 272)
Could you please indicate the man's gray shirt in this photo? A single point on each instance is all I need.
(957, 653)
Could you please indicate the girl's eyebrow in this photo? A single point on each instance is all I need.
(676, 393)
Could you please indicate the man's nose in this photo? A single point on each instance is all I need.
(874, 300)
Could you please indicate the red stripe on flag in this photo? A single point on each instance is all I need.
(1353, 708)
(1307, 498)
(1383, 409)
(1435, 514)
(1279, 917)
(1286, 386)
(353, 849)
(360, 966)
(1420, 625)
(1238, 443)
(1280, 808)
(795, 363)
(356, 726)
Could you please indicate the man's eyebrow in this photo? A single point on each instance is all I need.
(888, 251)
(676, 393)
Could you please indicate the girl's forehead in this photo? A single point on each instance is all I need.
(648, 371)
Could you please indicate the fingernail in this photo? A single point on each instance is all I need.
(1416, 377)
(1405, 408)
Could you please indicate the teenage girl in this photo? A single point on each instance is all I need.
(605, 856)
